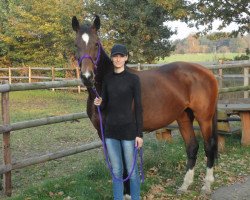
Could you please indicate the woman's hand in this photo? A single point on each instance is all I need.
(138, 142)
(98, 101)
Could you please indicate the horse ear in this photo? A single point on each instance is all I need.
(97, 23)
(75, 24)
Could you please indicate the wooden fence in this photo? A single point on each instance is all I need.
(217, 67)
(29, 74)
(6, 127)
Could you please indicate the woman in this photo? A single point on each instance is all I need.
(121, 103)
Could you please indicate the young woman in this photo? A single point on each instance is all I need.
(121, 103)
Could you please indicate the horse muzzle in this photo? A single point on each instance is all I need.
(88, 79)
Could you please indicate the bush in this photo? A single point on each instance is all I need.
(242, 57)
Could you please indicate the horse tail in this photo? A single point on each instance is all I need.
(215, 133)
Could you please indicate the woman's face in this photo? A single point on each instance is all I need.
(119, 60)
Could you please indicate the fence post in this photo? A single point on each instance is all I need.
(9, 75)
(53, 76)
(7, 186)
(220, 74)
(139, 67)
(30, 74)
(246, 81)
(78, 77)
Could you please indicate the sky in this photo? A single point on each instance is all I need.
(183, 30)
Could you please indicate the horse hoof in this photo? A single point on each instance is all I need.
(126, 197)
(205, 191)
(181, 191)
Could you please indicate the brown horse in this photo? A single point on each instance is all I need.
(178, 91)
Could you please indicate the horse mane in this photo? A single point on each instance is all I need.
(104, 66)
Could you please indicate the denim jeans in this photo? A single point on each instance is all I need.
(115, 148)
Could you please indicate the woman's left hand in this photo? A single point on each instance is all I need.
(138, 142)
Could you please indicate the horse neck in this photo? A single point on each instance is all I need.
(104, 66)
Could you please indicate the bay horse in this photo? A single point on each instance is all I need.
(178, 91)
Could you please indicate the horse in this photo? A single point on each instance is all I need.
(178, 91)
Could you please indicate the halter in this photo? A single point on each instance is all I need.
(95, 62)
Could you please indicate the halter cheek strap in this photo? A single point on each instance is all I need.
(87, 56)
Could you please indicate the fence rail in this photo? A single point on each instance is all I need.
(30, 76)
(41, 122)
(7, 127)
(48, 157)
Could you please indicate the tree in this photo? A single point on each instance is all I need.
(4, 11)
(38, 32)
(193, 44)
(205, 12)
(138, 24)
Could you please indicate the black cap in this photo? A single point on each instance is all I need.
(119, 49)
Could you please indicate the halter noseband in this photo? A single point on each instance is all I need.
(87, 56)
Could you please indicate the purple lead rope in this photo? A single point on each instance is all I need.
(106, 154)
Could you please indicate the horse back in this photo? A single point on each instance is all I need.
(170, 89)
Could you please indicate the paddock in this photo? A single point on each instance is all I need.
(7, 127)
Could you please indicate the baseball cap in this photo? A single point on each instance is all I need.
(119, 49)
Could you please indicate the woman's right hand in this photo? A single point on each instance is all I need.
(98, 101)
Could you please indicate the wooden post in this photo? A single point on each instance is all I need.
(245, 121)
(221, 143)
(53, 76)
(78, 77)
(139, 67)
(30, 75)
(246, 81)
(7, 186)
(220, 74)
(9, 75)
(163, 134)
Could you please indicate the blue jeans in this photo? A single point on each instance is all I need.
(115, 148)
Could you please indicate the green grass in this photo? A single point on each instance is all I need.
(42, 140)
(85, 176)
(198, 57)
(41, 103)
(164, 169)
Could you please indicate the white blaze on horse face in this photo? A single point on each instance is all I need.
(85, 38)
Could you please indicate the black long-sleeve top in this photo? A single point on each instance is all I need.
(121, 94)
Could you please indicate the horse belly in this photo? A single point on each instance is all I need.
(159, 114)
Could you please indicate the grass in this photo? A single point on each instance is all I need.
(198, 57)
(50, 138)
(164, 168)
(85, 176)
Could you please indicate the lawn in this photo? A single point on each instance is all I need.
(198, 57)
(85, 176)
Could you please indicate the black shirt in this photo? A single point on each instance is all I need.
(120, 91)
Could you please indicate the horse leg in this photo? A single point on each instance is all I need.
(185, 123)
(210, 148)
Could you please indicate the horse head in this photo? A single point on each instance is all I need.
(88, 48)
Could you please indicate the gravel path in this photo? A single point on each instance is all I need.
(237, 191)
